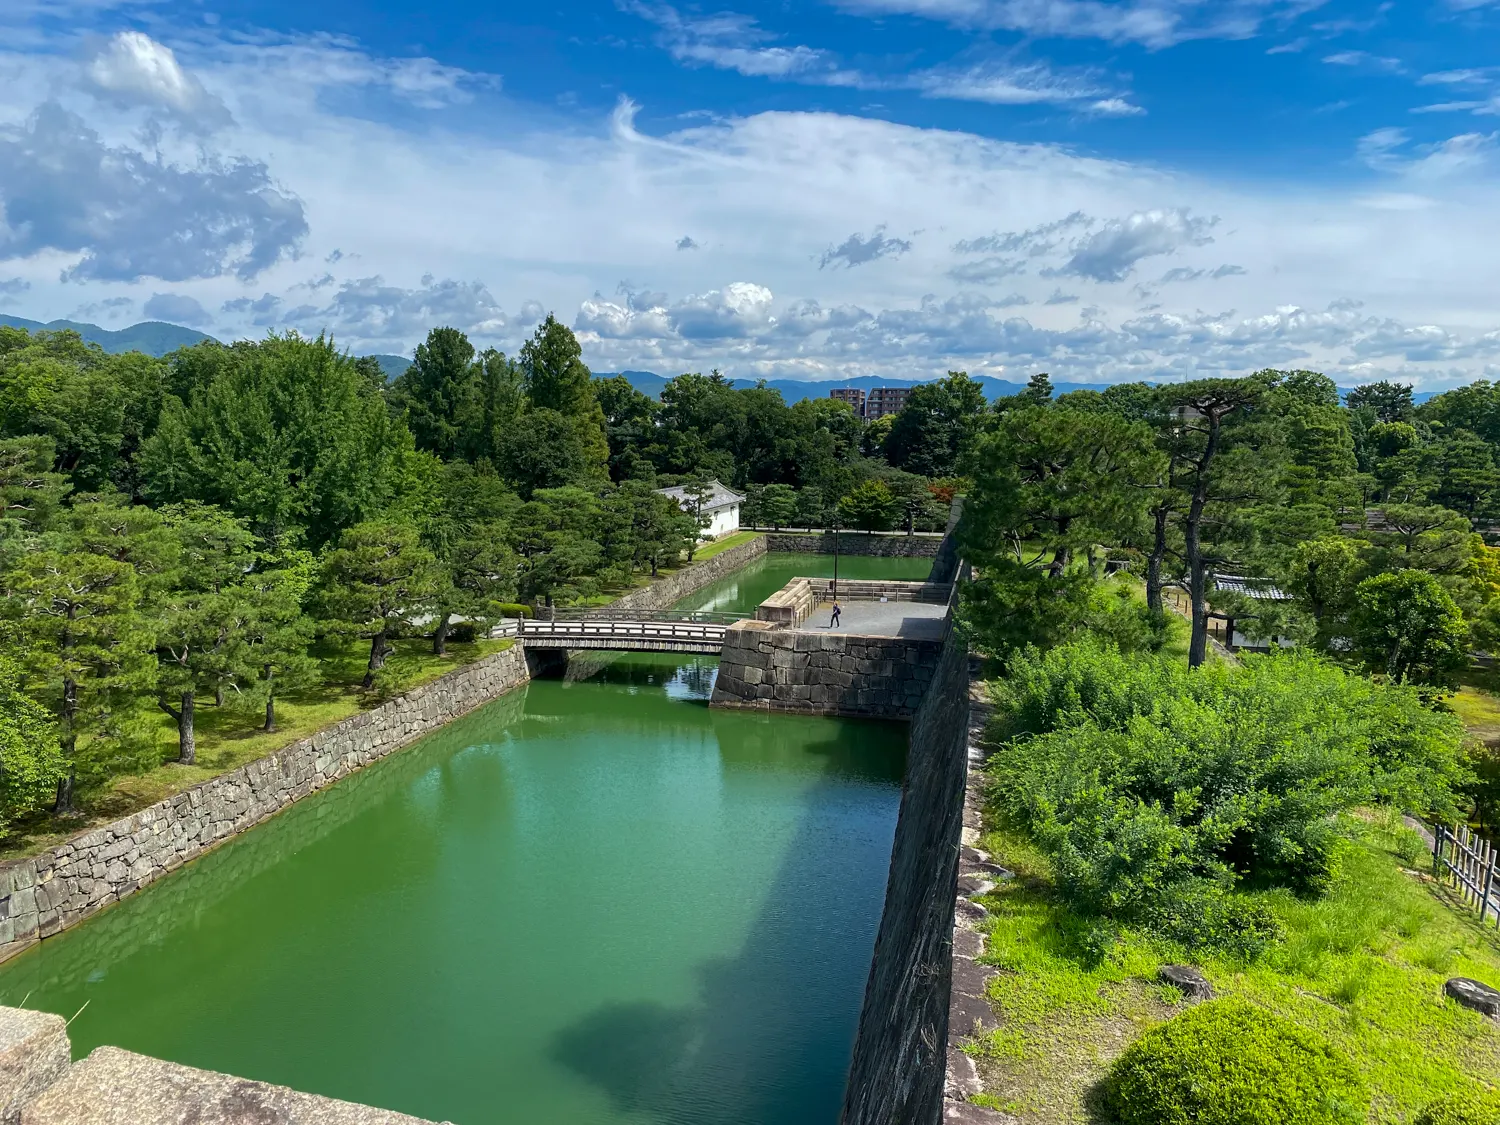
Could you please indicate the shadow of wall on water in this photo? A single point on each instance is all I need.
(769, 1037)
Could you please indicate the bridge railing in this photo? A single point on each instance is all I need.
(583, 629)
(691, 616)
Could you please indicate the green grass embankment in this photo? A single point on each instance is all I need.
(1364, 965)
(230, 736)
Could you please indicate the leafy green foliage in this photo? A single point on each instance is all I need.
(31, 762)
(378, 577)
(870, 507)
(1154, 788)
(1406, 625)
(1228, 1062)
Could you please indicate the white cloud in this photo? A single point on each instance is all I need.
(1366, 61)
(729, 41)
(1153, 23)
(135, 69)
(1111, 252)
(367, 309)
(177, 308)
(537, 212)
(127, 215)
(1011, 83)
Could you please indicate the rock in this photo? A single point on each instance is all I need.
(1188, 980)
(1472, 994)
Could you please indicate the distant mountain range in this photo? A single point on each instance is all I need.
(794, 390)
(155, 337)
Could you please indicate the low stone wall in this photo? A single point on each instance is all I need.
(666, 592)
(789, 606)
(45, 894)
(853, 543)
(876, 590)
(767, 667)
(897, 1073)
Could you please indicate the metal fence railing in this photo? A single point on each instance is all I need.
(1469, 862)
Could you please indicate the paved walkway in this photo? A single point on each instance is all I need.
(918, 620)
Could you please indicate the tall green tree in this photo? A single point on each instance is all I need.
(870, 507)
(439, 394)
(277, 636)
(1410, 628)
(936, 427)
(83, 633)
(204, 619)
(376, 580)
(286, 434)
(1221, 479)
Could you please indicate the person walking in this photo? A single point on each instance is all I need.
(833, 622)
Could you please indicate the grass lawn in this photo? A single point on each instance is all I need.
(229, 737)
(1364, 965)
(719, 546)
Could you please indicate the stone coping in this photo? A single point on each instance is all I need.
(40, 1085)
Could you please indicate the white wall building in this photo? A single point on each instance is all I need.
(721, 508)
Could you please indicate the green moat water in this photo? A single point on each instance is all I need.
(753, 584)
(588, 902)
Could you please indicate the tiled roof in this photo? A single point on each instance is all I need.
(1257, 588)
(718, 496)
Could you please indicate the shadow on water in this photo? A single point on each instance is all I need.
(768, 1039)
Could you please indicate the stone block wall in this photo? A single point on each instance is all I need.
(667, 592)
(898, 1068)
(764, 666)
(45, 894)
(852, 543)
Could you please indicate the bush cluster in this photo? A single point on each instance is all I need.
(1156, 788)
(1228, 1062)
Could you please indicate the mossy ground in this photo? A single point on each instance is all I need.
(230, 736)
(1363, 965)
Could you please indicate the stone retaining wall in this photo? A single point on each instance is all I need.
(851, 543)
(875, 590)
(766, 667)
(664, 593)
(897, 1073)
(45, 894)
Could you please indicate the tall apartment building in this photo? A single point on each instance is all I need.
(885, 400)
(875, 404)
(853, 396)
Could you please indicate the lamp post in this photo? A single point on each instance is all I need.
(835, 552)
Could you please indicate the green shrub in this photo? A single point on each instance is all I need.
(1148, 782)
(1468, 1108)
(1228, 1062)
(510, 609)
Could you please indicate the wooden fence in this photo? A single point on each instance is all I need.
(1469, 863)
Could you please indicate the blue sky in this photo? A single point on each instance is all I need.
(1104, 190)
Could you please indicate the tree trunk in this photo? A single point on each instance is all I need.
(440, 636)
(1197, 565)
(378, 652)
(219, 694)
(68, 740)
(1154, 561)
(187, 741)
(1062, 556)
(270, 724)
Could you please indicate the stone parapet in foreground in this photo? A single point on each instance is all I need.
(39, 1085)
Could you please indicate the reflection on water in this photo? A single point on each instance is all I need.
(595, 902)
